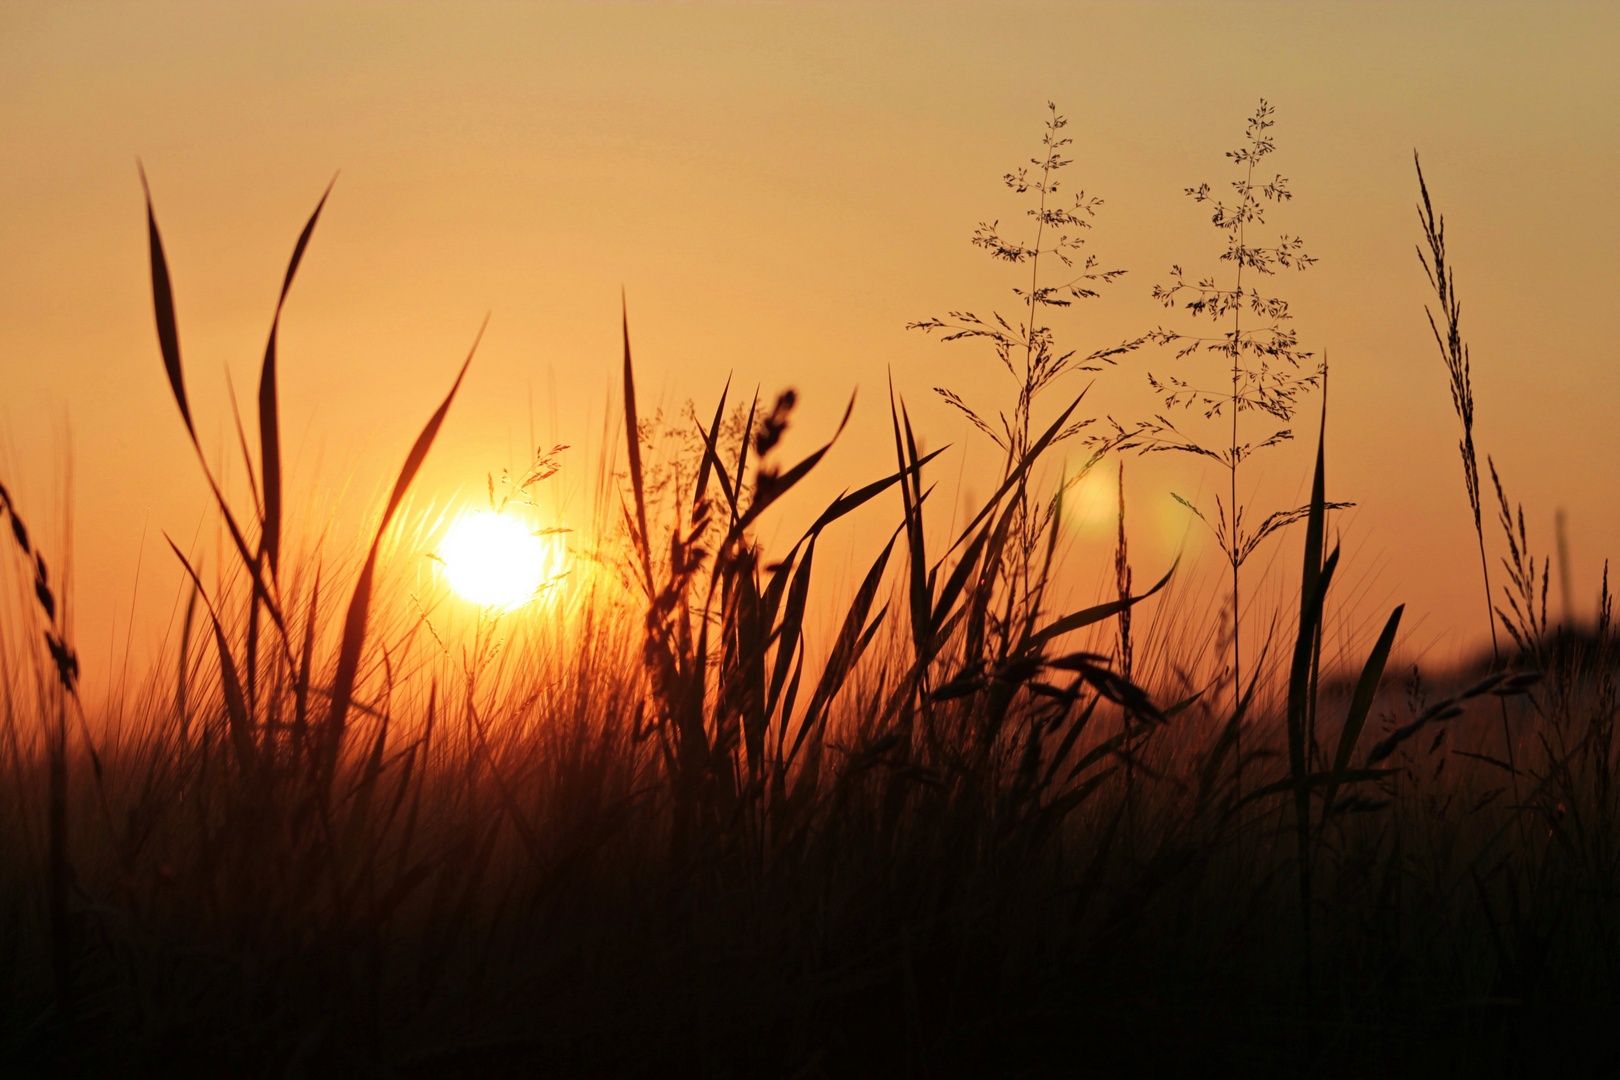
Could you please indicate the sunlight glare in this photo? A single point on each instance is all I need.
(1091, 504)
(494, 560)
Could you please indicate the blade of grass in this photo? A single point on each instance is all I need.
(236, 712)
(163, 305)
(1094, 614)
(1314, 577)
(792, 626)
(918, 594)
(711, 454)
(1018, 473)
(787, 480)
(845, 504)
(305, 661)
(1310, 782)
(984, 589)
(269, 408)
(710, 458)
(959, 576)
(632, 438)
(169, 345)
(848, 647)
(1299, 682)
(354, 622)
(1361, 703)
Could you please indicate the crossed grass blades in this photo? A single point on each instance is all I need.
(663, 833)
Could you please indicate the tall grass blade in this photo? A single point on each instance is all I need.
(1299, 679)
(959, 576)
(1072, 736)
(1018, 473)
(984, 589)
(1313, 587)
(169, 345)
(1095, 614)
(779, 486)
(163, 305)
(1315, 577)
(792, 626)
(1316, 521)
(632, 439)
(710, 458)
(354, 622)
(239, 723)
(848, 647)
(852, 501)
(269, 407)
(1361, 703)
(918, 593)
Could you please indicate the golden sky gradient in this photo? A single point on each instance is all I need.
(779, 189)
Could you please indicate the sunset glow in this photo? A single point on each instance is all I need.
(494, 560)
(770, 539)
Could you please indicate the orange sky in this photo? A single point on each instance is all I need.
(780, 188)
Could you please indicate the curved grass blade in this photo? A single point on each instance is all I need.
(632, 438)
(792, 626)
(984, 588)
(745, 441)
(241, 443)
(305, 662)
(1361, 703)
(1299, 693)
(354, 623)
(918, 593)
(163, 305)
(1096, 614)
(788, 700)
(269, 408)
(847, 650)
(845, 504)
(787, 480)
(169, 345)
(1312, 781)
(1061, 754)
(240, 724)
(1316, 522)
(1017, 474)
(710, 458)
(959, 575)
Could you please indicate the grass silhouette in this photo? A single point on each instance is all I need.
(660, 830)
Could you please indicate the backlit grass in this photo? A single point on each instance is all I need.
(651, 823)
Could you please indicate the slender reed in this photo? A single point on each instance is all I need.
(1269, 371)
(1454, 352)
(1027, 347)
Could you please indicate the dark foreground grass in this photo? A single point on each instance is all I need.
(659, 832)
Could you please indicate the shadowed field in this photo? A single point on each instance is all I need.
(677, 813)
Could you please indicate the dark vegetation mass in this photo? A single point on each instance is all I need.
(662, 831)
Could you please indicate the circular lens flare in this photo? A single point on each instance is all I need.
(1091, 503)
(494, 560)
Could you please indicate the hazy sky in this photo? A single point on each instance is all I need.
(779, 189)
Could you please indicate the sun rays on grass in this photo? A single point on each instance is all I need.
(496, 560)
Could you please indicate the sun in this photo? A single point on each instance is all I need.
(494, 560)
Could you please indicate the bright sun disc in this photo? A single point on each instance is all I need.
(493, 560)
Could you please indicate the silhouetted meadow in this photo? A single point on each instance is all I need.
(655, 822)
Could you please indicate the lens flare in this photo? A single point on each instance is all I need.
(1091, 503)
(494, 560)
